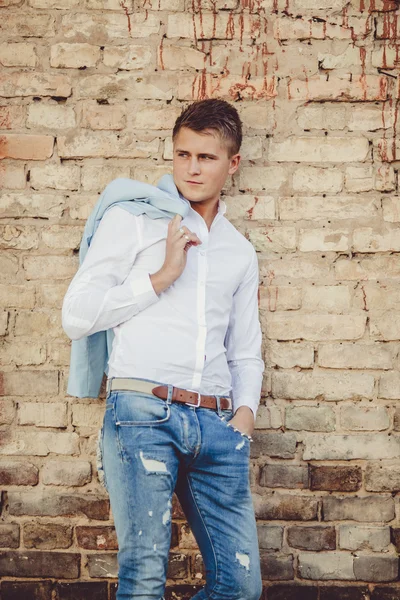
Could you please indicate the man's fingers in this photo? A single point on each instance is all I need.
(175, 222)
(189, 238)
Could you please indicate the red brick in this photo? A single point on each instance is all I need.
(343, 479)
(40, 564)
(291, 592)
(14, 472)
(276, 567)
(26, 147)
(312, 538)
(82, 590)
(286, 507)
(9, 535)
(12, 117)
(96, 538)
(47, 536)
(179, 592)
(343, 593)
(385, 593)
(26, 590)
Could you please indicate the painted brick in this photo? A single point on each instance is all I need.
(343, 89)
(376, 568)
(330, 566)
(385, 326)
(126, 85)
(354, 537)
(55, 176)
(86, 144)
(18, 55)
(128, 58)
(103, 117)
(262, 178)
(356, 417)
(210, 85)
(336, 386)
(102, 28)
(274, 298)
(273, 239)
(34, 84)
(249, 207)
(382, 478)
(74, 56)
(27, 24)
(310, 418)
(289, 354)
(369, 509)
(355, 356)
(288, 326)
(359, 179)
(31, 205)
(12, 176)
(283, 475)
(348, 447)
(316, 149)
(222, 26)
(317, 180)
(316, 208)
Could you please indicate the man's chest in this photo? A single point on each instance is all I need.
(217, 263)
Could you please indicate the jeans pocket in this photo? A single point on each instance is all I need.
(227, 416)
(137, 409)
(99, 459)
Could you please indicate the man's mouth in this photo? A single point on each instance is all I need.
(194, 182)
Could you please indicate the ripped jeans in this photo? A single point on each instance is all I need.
(147, 449)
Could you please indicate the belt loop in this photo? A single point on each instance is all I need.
(170, 392)
(108, 387)
(218, 399)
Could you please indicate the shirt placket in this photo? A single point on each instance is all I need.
(202, 273)
(201, 306)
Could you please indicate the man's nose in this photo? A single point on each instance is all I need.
(194, 166)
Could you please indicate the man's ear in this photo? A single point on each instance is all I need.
(234, 163)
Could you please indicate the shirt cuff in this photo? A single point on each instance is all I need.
(143, 291)
(249, 402)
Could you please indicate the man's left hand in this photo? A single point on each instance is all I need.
(243, 420)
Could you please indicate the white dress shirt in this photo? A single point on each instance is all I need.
(202, 333)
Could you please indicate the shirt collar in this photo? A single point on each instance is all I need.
(221, 205)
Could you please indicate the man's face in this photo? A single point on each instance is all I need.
(201, 164)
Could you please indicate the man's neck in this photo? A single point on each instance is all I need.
(207, 211)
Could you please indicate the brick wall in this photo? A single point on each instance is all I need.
(89, 91)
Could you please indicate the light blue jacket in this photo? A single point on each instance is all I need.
(89, 355)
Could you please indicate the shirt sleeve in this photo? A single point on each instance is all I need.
(243, 342)
(106, 289)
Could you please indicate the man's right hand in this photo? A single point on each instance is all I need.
(179, 240)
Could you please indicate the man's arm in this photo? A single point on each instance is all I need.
(243, 344)
(106, 290)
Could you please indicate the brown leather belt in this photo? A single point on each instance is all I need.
(161, 391)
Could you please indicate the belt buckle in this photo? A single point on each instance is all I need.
(198, 399)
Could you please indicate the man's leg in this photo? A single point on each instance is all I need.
(214, 492)
(140, 469)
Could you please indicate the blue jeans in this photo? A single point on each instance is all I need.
(147, 449)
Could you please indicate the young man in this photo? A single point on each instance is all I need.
(185, 371)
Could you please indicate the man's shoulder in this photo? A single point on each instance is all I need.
(243, 243)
